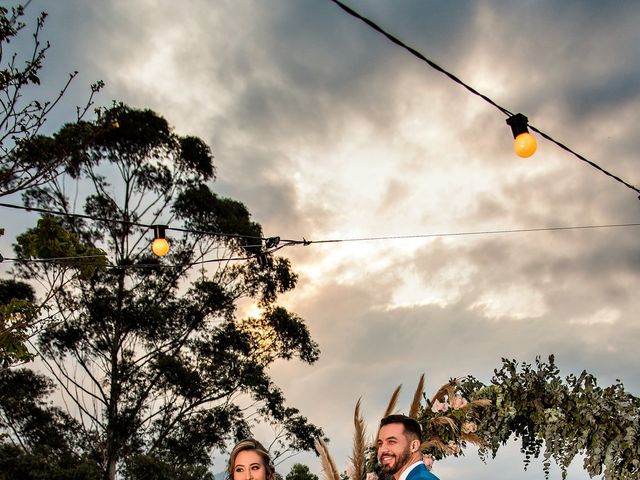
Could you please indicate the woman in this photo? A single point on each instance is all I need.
(249, 460)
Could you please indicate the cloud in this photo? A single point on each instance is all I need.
(326, 130)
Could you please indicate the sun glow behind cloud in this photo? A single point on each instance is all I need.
(516, 302)
(442, 286)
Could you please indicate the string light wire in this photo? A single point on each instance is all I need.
(284, 243)
(80, 260)
(472, 233)
(290, 242)
(450, 75)
(129, 222)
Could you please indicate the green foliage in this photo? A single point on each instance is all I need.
(277, 330)
(40, 441)
(13, 289)
(43, 464)
(146, 467)
(201, 209)
(565, 417)
(49, 240)
(17, 314)
(300, 472)
(163, 370)
(551, 416)
(15, 320)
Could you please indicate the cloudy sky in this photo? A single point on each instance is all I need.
(326, 130)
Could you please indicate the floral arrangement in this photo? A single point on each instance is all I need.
(449, 421)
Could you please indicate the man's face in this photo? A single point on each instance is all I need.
(394, 450)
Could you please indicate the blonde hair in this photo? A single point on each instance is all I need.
(252, 444)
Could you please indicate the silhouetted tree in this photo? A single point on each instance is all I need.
(21, 119)
(22, 116)
(37, 440)
(151, 352)
(300, 472)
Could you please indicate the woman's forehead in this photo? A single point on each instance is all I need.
(248, 457)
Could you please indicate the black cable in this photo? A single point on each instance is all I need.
(305, 242)
(63, 260)
(594, 165)
(437, 67)
(79, 260)
(130, 223)
(74, 215)
(416, 53)
(482, 232)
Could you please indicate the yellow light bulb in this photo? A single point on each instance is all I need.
(525, 145)
(160, 246)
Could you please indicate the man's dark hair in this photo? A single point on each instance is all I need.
(411, 426)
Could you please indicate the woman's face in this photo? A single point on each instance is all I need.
(248, 465)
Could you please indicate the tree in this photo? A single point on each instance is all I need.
(40, 441)
(21, 168)
(21, 118)
(300, 472)
(154, 356)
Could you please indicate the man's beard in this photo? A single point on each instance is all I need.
(400, 462)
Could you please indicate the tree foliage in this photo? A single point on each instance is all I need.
(152, 351)
(39, 441)
(26, 158)
(22, 115)
(551, 416)
(300, 472)
(17, 316)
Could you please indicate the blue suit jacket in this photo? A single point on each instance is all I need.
(421, 473)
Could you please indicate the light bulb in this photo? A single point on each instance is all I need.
(160, 247)
(525, 145)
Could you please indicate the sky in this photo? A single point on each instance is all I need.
(326, 130)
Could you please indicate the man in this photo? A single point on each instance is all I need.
(399, 449)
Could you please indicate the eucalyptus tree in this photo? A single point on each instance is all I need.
(24, 111)
(23, 115)
(300, 471)
(39, 440)
(158, 363)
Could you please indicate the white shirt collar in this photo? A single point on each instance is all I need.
(405, 474)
